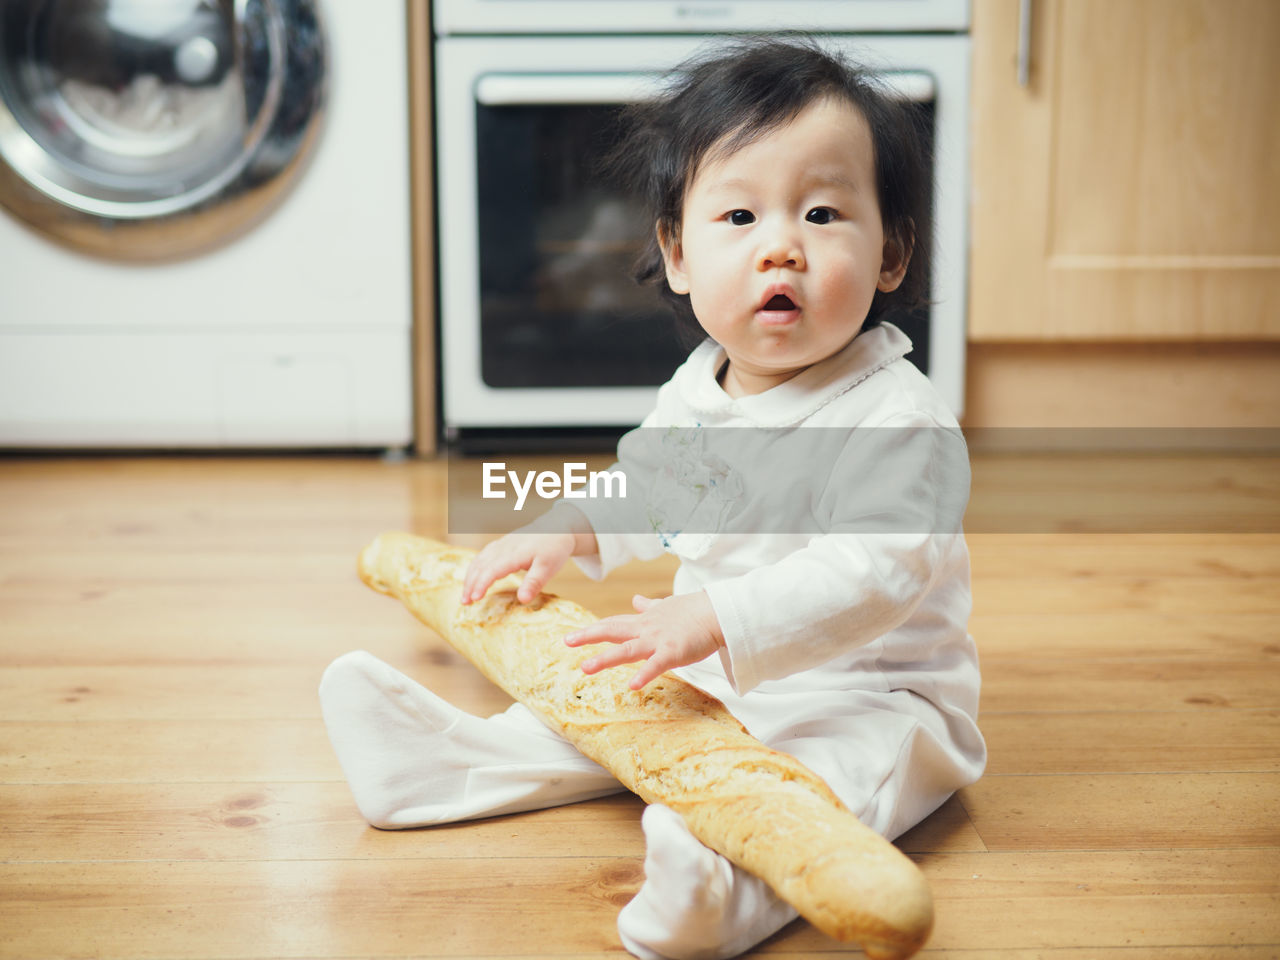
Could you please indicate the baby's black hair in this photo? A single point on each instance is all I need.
(726, 99)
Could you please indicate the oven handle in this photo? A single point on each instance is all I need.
(534, 89)
(525, 89)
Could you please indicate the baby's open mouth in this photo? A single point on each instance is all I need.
(779, 302)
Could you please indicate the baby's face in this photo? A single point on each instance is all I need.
(781, 246)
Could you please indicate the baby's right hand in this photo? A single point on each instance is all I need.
(542, 554)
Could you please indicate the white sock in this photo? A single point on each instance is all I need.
(695, 904)
(413, 759)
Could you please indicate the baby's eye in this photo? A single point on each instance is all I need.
(820, 215)
(740, 218)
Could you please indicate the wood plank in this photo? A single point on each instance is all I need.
(1190, 741)
(1204, 386)
(1158, 596)
(283, 821)
(947, 830)
(1216, 951)
(1125, 811)
(1127, 634)
(92, 621)
(96, 622)
(443, 907)
(1084, 900)
(1093, 555)
(43, 642)
(255, 517)
(166, 751)
(99, 622)
(79, 693)
(34, 563)
(785, 952)
(319, 821)
(315, 909)
(215, 690)
(1112, 493)
(333, 587)
(1048, 686)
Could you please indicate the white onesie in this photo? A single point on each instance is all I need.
(848, 650)
(843, 596)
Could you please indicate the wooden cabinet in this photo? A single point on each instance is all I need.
(1130, 191)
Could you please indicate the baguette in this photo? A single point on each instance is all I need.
(672, 744)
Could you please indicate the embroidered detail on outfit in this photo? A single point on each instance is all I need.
(693, 493)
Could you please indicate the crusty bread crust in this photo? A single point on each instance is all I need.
(672, 744)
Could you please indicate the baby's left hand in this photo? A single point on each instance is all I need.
(666, 634)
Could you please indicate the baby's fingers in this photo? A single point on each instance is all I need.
(610, 629)
(540, 571)
(477, 581)
(483, 573)
(651, 669)
(628, 651)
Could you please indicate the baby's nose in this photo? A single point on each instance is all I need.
(780, 250)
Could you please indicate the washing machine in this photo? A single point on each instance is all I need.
(204, 224)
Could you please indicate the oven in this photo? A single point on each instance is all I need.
(540, 323)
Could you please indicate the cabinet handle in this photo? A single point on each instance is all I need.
(1024, 42)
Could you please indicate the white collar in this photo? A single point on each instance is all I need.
(796, 399)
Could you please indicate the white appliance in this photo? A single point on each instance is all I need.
(204, 224)
(540, 325)
(698, 16)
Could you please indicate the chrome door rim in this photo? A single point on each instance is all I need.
(45, 188)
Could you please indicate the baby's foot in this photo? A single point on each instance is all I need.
(694, 904)
(412, 758)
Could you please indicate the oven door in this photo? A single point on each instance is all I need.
(540, 323)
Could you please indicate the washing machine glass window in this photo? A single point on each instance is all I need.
(143, 129)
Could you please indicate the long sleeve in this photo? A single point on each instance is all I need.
(891, 519)
(621, 526)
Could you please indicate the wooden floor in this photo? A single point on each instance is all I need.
(167, 790)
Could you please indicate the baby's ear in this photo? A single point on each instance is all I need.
(672, 258)
(894, 260)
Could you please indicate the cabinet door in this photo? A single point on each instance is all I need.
(1131, 189)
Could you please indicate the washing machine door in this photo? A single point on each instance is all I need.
(153, 129)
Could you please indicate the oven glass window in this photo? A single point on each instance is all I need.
(558, 306)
